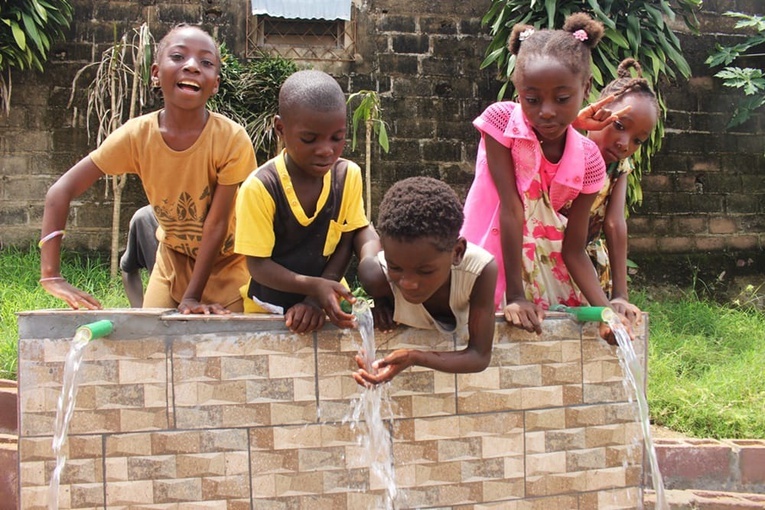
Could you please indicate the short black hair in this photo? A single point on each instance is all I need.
(421, 207)
(312, 89)
(575, 52)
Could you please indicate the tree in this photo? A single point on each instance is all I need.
(634, 28)
(370, 112)
(750, 80)
(27, 29)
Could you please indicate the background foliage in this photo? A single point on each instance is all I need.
(634, 28)
(748, 79)
(27, 29)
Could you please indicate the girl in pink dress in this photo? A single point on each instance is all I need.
(536, 177)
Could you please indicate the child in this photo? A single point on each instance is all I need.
(297, 215)
(190, 162)
(531, 165)
(434, 278)
(618, 135)
(140, 253)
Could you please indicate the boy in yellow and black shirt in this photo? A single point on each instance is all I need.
(297, 214)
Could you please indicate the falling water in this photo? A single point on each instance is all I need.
(65, 409)
(633, 373)
(366, 411)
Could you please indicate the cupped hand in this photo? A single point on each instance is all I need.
(189, 306)
(595, 117)
(304, 317)
(73, 296)
(383, 370)
(524, 314)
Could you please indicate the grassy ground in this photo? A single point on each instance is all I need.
(21, 291)
(705, 367)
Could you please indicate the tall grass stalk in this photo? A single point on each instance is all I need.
(20, 291)
(705, 366)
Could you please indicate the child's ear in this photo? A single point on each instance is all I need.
(217, 85)
(587, 87)
(279, 126)
(458, 252)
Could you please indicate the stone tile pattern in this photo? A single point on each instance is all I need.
(260, 420)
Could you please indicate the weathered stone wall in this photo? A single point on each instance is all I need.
(707, 191)
(237, 412)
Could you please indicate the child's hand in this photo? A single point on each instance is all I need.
(525, 315)
(608, 335)
(384, 369)
(383, 315)
(631, 312)
(58, 286)
(190, 306)
(304, 317)
(594, 117)
(328, 295)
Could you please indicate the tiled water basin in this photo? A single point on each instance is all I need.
(237, 412)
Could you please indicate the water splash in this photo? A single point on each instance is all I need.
(366, 414)
(633, 373)
(65, 409)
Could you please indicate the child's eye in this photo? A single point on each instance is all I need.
(618, 125)
(308, 140)
(531, 100)
(176, 57)
(425, 272)
(563, 99)
(208, 63)
(638, 141)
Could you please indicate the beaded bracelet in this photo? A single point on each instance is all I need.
(50, 236)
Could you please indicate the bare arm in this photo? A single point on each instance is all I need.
(615, 229)
(133, 285)
(519, 311)
(213, 233)
(69, 186)
(574, 254)
(475, 357)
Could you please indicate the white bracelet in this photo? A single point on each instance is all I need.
(50, 236)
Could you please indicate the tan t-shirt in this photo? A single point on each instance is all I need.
(180, 184)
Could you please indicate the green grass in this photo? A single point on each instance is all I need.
(22, 292)
(706, 366)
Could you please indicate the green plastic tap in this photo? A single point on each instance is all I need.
(586, 313)
(94, 330)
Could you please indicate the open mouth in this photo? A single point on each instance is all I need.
(189, 85)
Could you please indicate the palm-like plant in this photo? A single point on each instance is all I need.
(27, 29)
(634, 28)
(117, 93)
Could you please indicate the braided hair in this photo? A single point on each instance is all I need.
(625, 84)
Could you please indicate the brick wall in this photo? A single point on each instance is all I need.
(706, 193)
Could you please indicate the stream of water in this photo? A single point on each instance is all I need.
(65, 409)
(633, 373)
(366, 415)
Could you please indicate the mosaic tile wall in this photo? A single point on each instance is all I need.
(237, 413)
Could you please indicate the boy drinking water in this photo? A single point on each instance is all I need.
(297, 215)
(433, 278)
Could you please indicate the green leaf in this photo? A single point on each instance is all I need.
(382, 139)
(617, 38)
(18, 35)
(550, 8)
